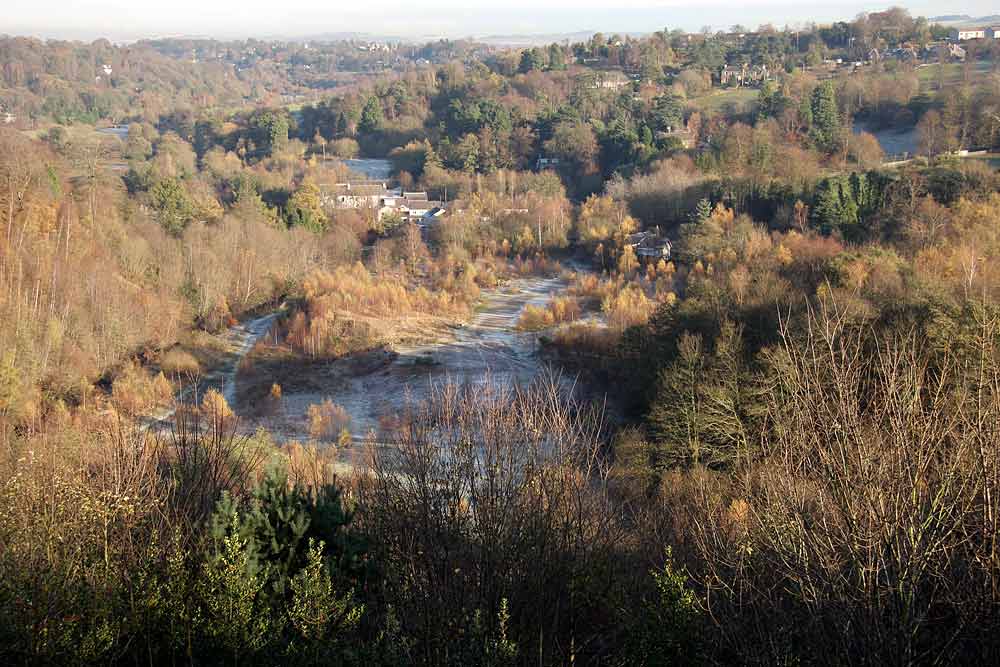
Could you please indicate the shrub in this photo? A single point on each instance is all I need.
(327, 420)
(176, 361)
(535, 318)
(558, 311)
(629, 307)
(666, 630)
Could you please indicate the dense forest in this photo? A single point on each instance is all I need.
(764, 432)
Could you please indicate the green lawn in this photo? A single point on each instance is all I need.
(992, 160)
(953, 74)
(77, 132)
(718, 100)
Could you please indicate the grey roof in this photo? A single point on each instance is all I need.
(421, 204)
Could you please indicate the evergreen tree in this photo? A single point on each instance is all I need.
(531, 59)
(173, 207)
(825, 130)
(836, 208)
(668, 113)
(249, 205)
(647, 135)
(702, 211)
(666, 631)
(305, 208)
(557, 60)
(371, 116)
(771, 102)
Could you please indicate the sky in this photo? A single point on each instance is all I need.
(123, 20)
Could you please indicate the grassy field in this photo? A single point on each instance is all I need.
(992, 160)
(83, 134)
(953, 74)
(718, 100)
(77, 132)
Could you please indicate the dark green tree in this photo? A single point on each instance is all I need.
(557, 60)
(531, 59)
(702, 211)
(173, 208)
(771, 102)
(836, 209)
(668, 113)
(667, 629)
(371, 116)
(826, 127)
(281, 574)
(305, 208)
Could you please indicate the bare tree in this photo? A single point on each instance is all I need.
(867, 525)
(493, 493)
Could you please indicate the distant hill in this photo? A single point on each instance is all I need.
(965, 19)
(347, 36)
(511, 40)
(546, 38)
(949, 18)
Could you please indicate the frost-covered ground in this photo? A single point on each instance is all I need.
(487, 348)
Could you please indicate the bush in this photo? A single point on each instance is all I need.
(535, 318)
(176, 362)
(345, 148)
(666, 630)
(558, 311)
(327, 421)
(627, 308)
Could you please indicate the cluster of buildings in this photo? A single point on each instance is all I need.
(372, 46)
(409, 206)
(610, 80)
(963, 34)
(649, 244)
(908, 53)
(743, 75)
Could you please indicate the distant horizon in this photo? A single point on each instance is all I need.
(390, 19)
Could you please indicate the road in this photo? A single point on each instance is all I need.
(237, 341)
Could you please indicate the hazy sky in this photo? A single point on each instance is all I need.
(131, 19)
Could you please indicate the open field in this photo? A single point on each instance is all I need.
(376, 386)
(951, 74)
(719, 100)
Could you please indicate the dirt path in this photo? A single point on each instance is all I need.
(237, 341)
(489, 346)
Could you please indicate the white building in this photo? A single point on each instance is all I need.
(546, 163)
(649, 244)
(962, 34)
(421, 211)
(610, 80)
(358, 194)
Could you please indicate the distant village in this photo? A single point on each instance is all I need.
(965, 34)
(746, 75)
(406, 206)
(391, 202)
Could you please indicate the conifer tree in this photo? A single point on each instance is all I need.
(825, 130)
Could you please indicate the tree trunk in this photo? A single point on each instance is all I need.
(10, 208)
